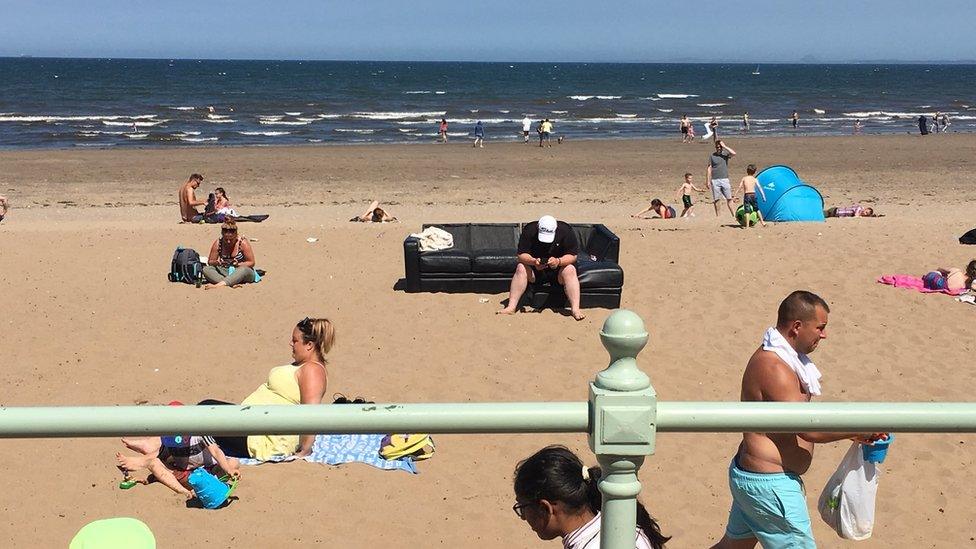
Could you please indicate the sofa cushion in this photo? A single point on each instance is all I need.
(498, 260)
(445, 261)
(494, 236)
(599, 274)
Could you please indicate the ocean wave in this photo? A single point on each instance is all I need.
(217, 116)
(439, 92)
(185, 134)
(92, 133)
(137, 135)
(666, 110)
(418, 92)
(307, 119)
(351, 130)
(712, 104)
(268, 134)
(271, 116)
(588, 97)
(220, 121)
(198, 139)
(472, 111)
(407, 129)
(617, 120)
(650, 98)
(559, 112)
(873, 114)
(314, 140)
(819, 111)
(56, 118)
(181, 108)
(292, 113)
(323, 115)
(676, 95)
(93, 144)
(504, 112)
(136, 124)
(396, 115)
(283, 122)
(622, 115)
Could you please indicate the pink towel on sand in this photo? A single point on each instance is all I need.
(913, 283)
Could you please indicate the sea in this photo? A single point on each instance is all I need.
(67, 103)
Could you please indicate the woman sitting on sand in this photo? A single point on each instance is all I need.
(301, 382)
(662, 210)
(558, 496)
(231, 259)
(855, 210)
(375, 214)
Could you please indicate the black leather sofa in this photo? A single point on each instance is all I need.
(483, 261)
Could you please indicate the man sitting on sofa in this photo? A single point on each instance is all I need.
(547, 252)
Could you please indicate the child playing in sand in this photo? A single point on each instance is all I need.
(748, 185)
(685, 193)
(172, 459)
(662, 210)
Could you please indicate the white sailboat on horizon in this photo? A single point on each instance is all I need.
(756, 72)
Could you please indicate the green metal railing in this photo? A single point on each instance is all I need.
(621, 417)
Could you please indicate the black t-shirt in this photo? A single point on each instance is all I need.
(564, 243)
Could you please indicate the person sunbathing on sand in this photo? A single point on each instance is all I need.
(172, 459)
(951, 278)
(375, 214)
(662, 210)
(855, 210)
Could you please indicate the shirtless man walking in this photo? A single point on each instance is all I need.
(768, 500)
(188, 199)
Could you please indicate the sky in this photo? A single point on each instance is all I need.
(750, 31)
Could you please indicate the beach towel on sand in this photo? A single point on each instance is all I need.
(912, 282)
(339, 449)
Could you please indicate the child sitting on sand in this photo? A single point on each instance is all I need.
(685, 193)
(748, 185)
(172, 459)
(222, 203)
(375, 214)
(663, 211)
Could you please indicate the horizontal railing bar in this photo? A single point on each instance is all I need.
(542, 417)
(534, 417)
(794, 417)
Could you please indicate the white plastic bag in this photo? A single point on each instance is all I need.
(847, 501)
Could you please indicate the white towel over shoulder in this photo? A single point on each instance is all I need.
(805, 370)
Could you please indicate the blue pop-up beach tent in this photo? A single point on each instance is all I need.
(788, 198)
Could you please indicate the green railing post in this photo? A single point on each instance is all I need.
(623, 410)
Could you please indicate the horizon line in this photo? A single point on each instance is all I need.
(676, 62)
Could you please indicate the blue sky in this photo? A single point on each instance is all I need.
(501, 30)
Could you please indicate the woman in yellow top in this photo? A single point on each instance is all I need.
(301, 382)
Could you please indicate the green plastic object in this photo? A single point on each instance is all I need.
(114, 533)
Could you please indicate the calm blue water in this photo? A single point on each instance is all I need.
(123, 102)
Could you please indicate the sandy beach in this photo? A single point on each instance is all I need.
(90, 319)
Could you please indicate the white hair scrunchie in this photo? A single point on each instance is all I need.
(586, 473)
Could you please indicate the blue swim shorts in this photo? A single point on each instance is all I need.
(770, 507)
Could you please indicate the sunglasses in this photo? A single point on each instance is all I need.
(519, 508)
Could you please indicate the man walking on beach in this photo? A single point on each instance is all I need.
(547, 252)
(526, 127)
(717, 176)
(768, 497)
(188, 199)
(795, 119)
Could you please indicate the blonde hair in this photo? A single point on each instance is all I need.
(320, 332)
(229, 225)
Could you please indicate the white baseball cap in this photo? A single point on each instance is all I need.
(547, 229)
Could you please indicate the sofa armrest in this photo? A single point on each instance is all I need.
(612, 252)
(411, 263)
